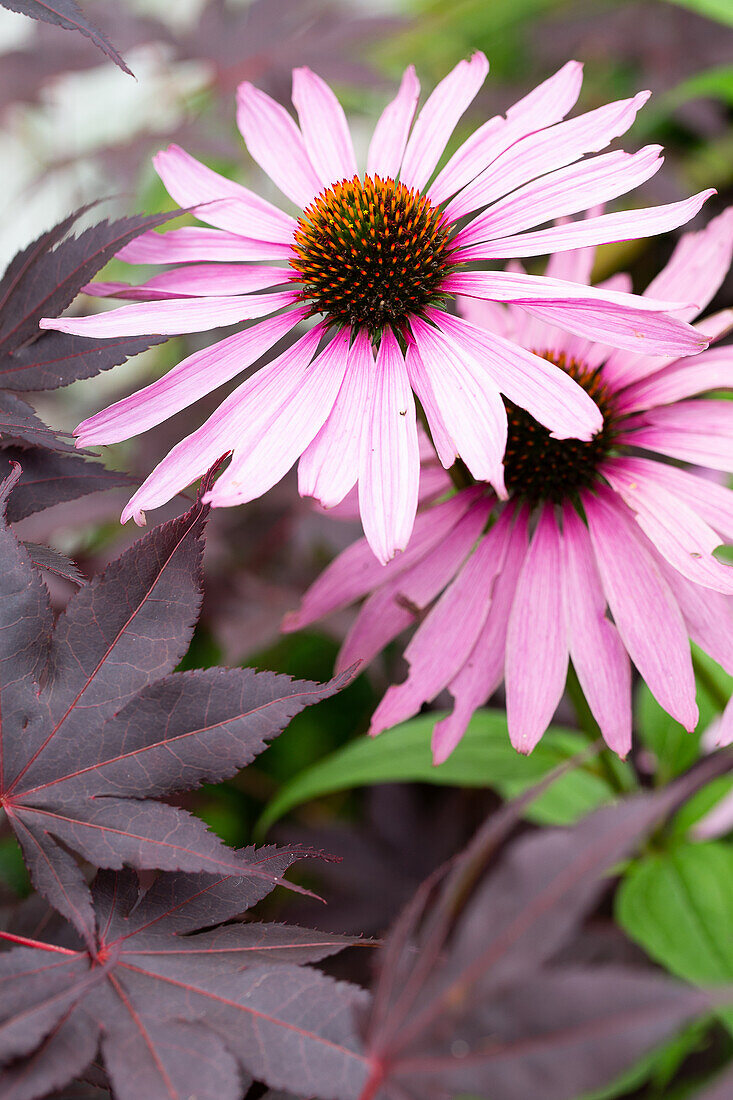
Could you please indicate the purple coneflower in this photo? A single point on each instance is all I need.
(376, 258)
(512, 590)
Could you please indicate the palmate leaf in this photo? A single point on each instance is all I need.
(67, 14)
(472, 997)
(94, 729)
(177, 1011)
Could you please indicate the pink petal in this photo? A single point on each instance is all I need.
(596, 650)
(712, 501)
(673, 526)
(565, 191)
(708, 615)
(254, 400)
(487, 315)
(536, 643)
(546, 150)
(545, 391)
(196, 280)
(622, 369)
(643, 606)
(546, 104)
(698, 265)
(172, 316)
(191, 184)
(692, 431)
(356, 571)
(188, 381)
(388, 143)
(324, 127)
(483, 671)
(438, 119)
(624, 225)
(395, 606)
(390, 458)
(179, 246)
(268, 445)
(276, 144)
(472, 413)
(445, 639)
(711, 370)
(329, 466)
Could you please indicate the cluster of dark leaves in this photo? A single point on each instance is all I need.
(41, 281)
(66, 14)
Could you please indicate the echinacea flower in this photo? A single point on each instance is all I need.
(625, 523)
(377, 257)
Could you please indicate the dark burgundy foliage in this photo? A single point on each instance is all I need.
(178, 1011)
(94, 729)
(41, 281)
(66, 14)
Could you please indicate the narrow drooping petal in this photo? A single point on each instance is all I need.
(193, 243)
(356, 571)
(194, 455)
(445, 639)
(550, 395)
(596, 650)
(708, 615)
(711, 370)
(387, 147)
(692, 431)
(563, 192)
(621, 226)
(394, 606)
(473, 414)
(268, 445)
(673, 526)
(173, 316)
(484, 668)
(544, 105)
(276, 143)
(324, 127)
(712, 501)
(698, 266)
(185, 383)
(329, 466)
(191, 184)
(545, 151)
(196, 280)
(643, 607)
(438, 118)
(536, 643)
(390, 460)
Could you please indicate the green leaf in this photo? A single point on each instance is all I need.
(484, 758)
(679, 907)
(722, 10)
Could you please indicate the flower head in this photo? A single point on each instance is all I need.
(373, 262)
(625, 523)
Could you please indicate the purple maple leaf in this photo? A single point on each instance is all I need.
(95, 729)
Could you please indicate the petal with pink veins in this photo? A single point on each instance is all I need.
(277, 145)
(438, 118)
(390, 457)
(194, 186)
(711, 500)
(329, 466)
(647, 616)
(324, 127)
(710, 370)
(189, 380)
(387, 147)
(692, 431)
(536, 643)
(596, 650)
(194, 243)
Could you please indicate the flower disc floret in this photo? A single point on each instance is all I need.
(538, 467)
(371, 253)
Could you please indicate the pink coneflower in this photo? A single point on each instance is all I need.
(510, 590)
(376, 258)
